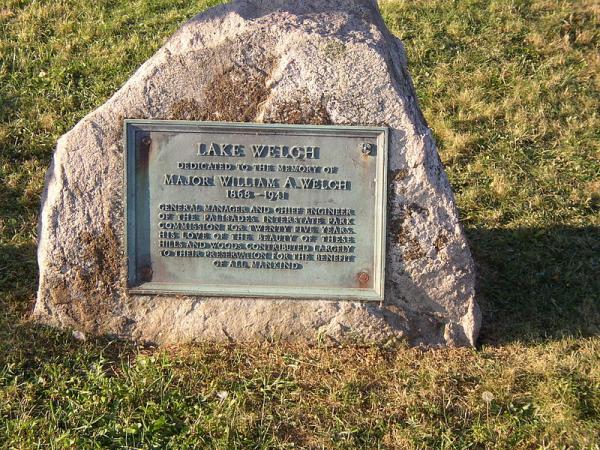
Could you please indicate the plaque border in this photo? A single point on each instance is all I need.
(376, 293)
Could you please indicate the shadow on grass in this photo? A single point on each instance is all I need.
(18, 273)
(537, 284)
(534, 284)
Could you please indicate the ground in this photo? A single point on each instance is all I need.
(512, 93)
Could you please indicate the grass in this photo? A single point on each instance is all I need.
(512, 92)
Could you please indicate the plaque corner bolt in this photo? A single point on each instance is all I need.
(363, 277)
(146, 273)
(146, 141)
(366, 148)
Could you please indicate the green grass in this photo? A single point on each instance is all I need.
(512, 92)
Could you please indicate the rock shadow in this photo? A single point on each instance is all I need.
(18, 270)
(537, 283)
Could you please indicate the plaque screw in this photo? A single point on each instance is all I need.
(146, 273)
(363, 277)
(366, 148)
(146, 141)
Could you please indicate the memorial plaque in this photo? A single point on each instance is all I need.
(233, 209)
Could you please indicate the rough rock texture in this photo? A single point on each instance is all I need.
(317, 62)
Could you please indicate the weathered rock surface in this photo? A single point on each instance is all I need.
(317, 62)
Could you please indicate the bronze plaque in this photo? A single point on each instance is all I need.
(230, 209)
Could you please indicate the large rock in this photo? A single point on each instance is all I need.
(317, 62)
